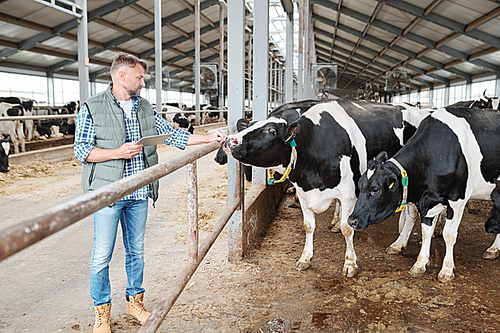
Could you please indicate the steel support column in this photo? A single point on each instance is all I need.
(446, 94)
(497, 85)
(249, 73)
(221, 55)
(431, 96)
(236, 100)
(50, 89)
(260, 70)
(197, 57)
(309, 54)
(289, 59)
(158, 55)
(83, 51)
(300, 84)
(468, 90)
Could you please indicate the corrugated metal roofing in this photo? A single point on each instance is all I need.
(435, 41)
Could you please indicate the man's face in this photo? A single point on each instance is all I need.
(134, 80)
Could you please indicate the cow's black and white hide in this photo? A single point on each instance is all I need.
(13, 128)
(73, 107)
(486, 103)
(26, 103)
(492, 225)
(454, 156)
(179, 119)
(4, 153)
(334, 141)
(43, 131)
(184, 122)
(212, 116)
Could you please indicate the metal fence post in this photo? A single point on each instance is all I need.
(192, 211)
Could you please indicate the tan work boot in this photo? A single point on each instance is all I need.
(136, 309)
(102, 318)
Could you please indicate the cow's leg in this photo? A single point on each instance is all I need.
(337, 216)
(450, 233)
(20, 135)
(15, 142)
(309, 225)
(350, 268)
(406, 222)
(493, 251)
(423, 257)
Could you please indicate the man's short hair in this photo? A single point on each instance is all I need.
(125, 59)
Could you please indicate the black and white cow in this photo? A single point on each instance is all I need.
(179, 119)
(13, 128)
(326, 149)
(4, 153)
(288, 111)
(486, 103)
(492, 225)
(454, 156)
(184, 122)
(25, 102)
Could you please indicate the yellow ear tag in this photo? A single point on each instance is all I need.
(392, 184)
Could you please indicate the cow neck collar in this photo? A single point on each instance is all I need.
(404, 182)
(293, 159)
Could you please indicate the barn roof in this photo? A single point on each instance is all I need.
(433, 41)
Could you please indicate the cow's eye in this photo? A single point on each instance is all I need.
(272, 131)
(375, 191)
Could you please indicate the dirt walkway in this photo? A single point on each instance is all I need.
(45, 288)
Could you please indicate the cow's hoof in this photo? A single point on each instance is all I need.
(392, 250)
(349, 271)
(417, 271)
(336, 229)
(445, 277)
(490, 254)
(302, 266)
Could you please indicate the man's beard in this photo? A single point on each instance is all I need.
(134, 93)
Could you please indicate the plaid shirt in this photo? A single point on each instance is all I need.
(85, 141)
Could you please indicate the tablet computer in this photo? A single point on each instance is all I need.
(153, 139)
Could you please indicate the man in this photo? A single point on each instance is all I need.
(107, 128)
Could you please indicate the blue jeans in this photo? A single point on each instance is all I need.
(132, 215)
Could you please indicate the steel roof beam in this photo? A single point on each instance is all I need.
(344, 59)
(365, 49)
(425, 82)
(65, 27)
(360, 47)
(180, 40)
(383, 43)
(142, 31)
(365, 31)
(399, 32)
(445, 22)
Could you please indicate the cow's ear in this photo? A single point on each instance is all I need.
(292, 131)
(392, 182)
(381, 157)
(371, 164)
(242, 124)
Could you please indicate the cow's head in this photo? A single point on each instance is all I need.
(4, 154)
(263, 143)
(492, 225)
(380, 194)
(181, 120)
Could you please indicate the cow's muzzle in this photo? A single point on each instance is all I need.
(230, 143)
(355, 223)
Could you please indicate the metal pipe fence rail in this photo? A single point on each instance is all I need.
(54, 116)
(20, 236)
